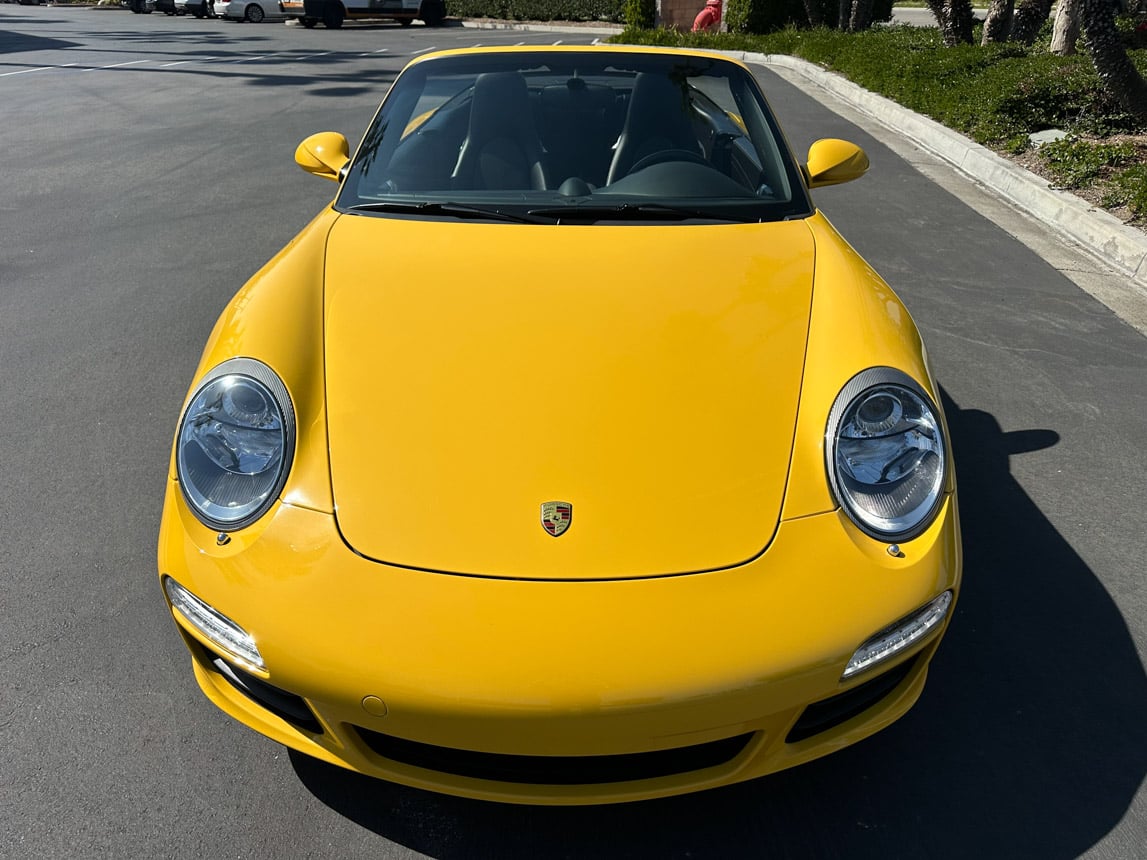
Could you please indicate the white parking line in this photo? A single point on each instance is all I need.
(286, 57)
(39, 69)
(25, 71)
(116, 65)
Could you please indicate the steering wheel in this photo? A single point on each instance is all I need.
(667, 155)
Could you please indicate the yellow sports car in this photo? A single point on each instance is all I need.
(569, 455)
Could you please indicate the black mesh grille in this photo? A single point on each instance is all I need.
(287, 706)
(555, 770)
(824, 715)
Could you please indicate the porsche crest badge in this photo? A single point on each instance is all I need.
(556, 517)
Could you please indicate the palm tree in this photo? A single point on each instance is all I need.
(954, 17)
(1110, 59)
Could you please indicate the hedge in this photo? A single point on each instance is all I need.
(768, 16)
(540, 10)
(741, 16)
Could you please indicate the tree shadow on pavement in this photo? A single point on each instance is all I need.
(1030, 740)
(14, 43)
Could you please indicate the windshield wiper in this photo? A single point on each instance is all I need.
(635, 212)
(452, 210)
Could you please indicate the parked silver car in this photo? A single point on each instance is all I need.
(254, 11)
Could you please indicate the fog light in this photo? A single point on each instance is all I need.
(895, 638)
(217, 628)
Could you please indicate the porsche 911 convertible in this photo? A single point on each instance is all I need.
(569, 455)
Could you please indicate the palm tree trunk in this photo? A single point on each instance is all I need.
(1112, 65)
(998, 23)
(861, 15)
(1066, 32)
(954, 17)
(1029, 18)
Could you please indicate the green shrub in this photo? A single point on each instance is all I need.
(768, 16)
(1129, 188)
(1075, 163)
(640, 13)
(762, 16)
(541, 10)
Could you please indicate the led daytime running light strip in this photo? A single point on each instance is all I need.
(899, 636)
(214, 626)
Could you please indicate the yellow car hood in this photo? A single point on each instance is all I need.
(648, 376)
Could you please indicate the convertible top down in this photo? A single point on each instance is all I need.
(486, 484)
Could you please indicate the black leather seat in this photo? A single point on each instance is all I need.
(580, 123)
(501, 150)
(660, 117)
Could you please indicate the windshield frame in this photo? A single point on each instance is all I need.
(744, 132)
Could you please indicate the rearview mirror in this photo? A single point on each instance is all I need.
(831, 162)
(324, 154)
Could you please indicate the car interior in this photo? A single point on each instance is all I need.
(646, 134)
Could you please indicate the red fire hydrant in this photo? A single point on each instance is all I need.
(708, 18)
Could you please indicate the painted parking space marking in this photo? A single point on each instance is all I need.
(285, 57)
(114, 66)
(26, 71)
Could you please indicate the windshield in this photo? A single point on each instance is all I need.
(575, 136)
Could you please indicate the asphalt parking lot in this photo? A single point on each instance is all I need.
(150, 172)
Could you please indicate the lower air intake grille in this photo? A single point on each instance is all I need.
(829, 713)
(555, 770)
(282, 704)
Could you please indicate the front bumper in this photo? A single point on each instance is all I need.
(559, 692)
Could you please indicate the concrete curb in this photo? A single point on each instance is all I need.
(1122, 247)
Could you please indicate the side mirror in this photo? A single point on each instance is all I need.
(831, 162)
(324, 154)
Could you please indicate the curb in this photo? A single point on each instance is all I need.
(1122, 247)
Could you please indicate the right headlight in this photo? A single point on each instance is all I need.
(235, 444)
(886, 454)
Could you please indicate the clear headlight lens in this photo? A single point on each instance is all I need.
(887, 458)
(235, 444)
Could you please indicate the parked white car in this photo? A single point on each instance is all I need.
(254, 11)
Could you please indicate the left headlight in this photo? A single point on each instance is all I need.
(235, 444)
(886, 455)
